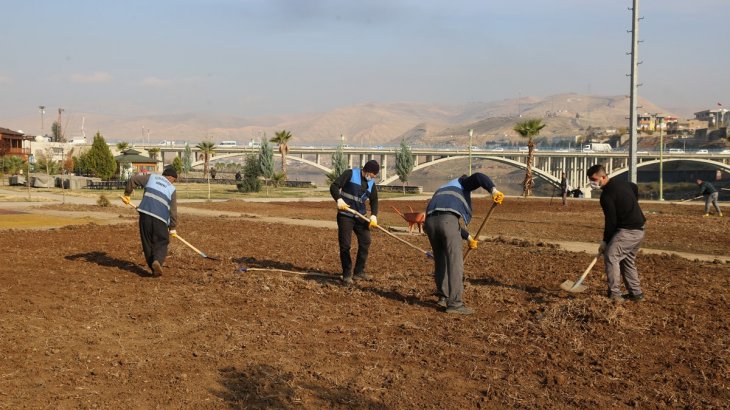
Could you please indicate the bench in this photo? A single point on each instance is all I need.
(106, 185)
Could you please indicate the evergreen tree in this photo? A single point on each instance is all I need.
(178, 165)
(403, 163)
(339, 164)
(57, 132)
(266, 159)
(187, 159)
(98, 161)
(252, 172)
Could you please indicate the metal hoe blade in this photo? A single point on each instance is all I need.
(570, 286)
(577, 287)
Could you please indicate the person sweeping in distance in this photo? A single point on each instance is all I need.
(157, 214)
(449, 203)
(351, 190)
(710, 193)
(622, 233)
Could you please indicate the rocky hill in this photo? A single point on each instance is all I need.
(364, 124)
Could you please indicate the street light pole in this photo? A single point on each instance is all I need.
(471, 134)
(42, 109)
(661, 162)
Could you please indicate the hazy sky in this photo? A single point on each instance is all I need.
(254, 57)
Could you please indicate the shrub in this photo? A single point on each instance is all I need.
(103, 201)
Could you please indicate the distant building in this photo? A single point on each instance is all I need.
(656, 122)
(645, 122)
(131, 161)
(11, 143)
(715, 118)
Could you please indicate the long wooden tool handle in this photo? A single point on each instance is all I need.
(484, 223)
(583, 276)
(365, 218)
(190, 246)
(692, 199)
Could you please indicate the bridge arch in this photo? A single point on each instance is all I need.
(540, 173)
(288, 157)
(723, 166)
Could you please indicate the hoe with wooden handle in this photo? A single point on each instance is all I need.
(198, 251)
(484, 222)
(365, 218)
(577, 287)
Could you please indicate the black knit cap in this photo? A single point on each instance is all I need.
(371, 166)
(169, 172)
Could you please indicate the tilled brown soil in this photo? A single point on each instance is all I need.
(83, 326)
(675, 227)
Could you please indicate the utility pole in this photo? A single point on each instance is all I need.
(661, 159)
(634, 84)
(42, 109)
(471, 134)
(60, 128)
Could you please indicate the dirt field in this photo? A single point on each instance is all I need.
(83, 326)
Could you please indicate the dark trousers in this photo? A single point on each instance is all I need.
(155, 238)
(444, 235)
(345, 226)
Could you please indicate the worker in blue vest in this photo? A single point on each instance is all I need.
(352, 189)
(449, 203)
(157, 214)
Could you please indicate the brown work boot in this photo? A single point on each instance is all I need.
(156, 269)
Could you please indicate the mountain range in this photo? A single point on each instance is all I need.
(364, 124)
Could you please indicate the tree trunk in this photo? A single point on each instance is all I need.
(283, 149)
(528, 182)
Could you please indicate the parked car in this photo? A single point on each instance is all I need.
(725, 151)
(702, 151)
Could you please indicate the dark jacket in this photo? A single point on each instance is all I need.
(707, 188)
(341, 185)
(621, 210)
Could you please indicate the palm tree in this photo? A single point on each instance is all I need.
(122, 146)
(206, 148)
(529, 129)
(282, 138)
(153, 152)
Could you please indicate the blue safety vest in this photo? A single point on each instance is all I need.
(157, 198)
(450, 198)
(353, 194)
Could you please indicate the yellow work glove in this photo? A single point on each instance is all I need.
(373, 221)
(127, 200)
(173, 232)
(497, 196)
(342, 205)
(472, 242)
